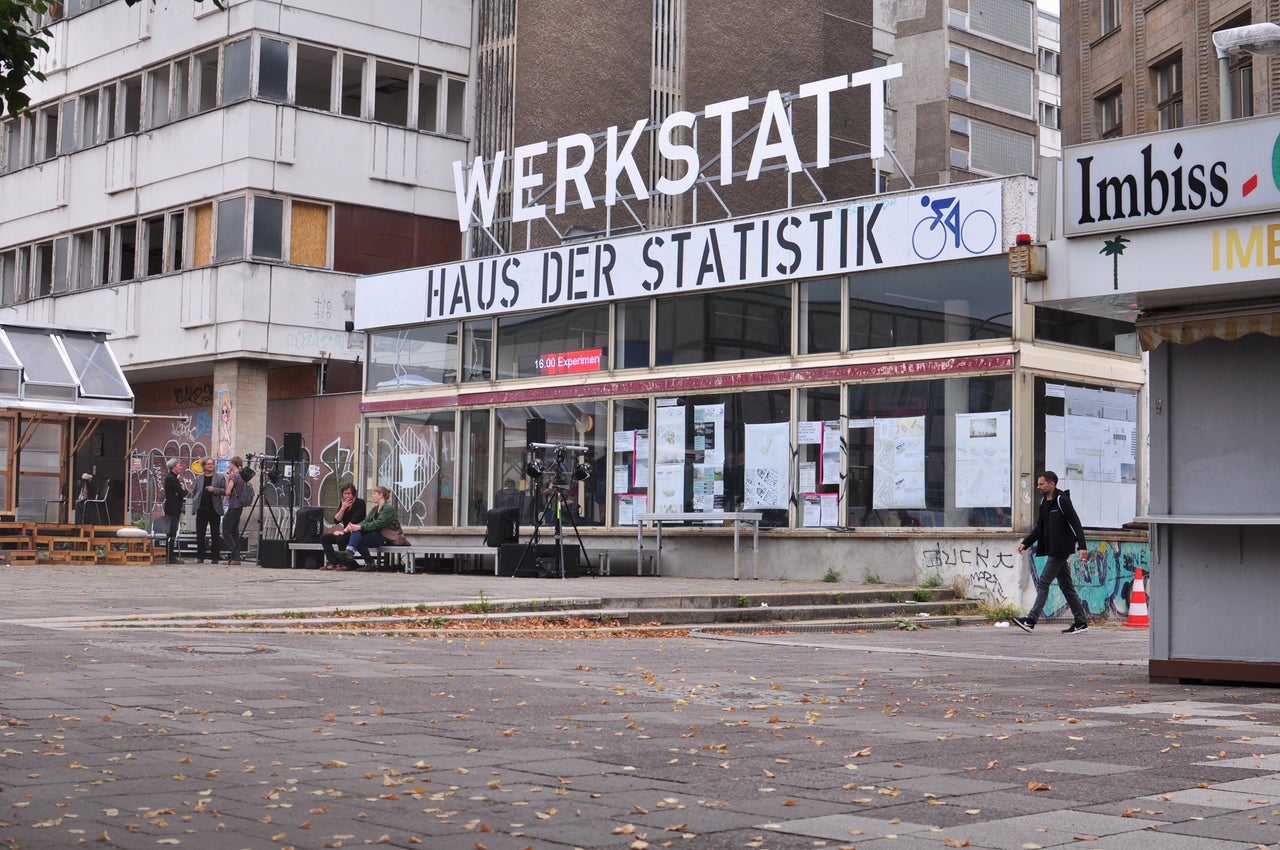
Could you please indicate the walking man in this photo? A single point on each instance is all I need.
(1057, 533)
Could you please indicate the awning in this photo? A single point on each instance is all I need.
(1183, 328)
(61, 370)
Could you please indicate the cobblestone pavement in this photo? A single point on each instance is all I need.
(944, 737)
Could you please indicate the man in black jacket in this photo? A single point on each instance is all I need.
(1057, 533)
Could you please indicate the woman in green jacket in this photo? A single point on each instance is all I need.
(369, 532)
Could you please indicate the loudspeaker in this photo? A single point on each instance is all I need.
(535, 430)
(291, 452)
(273, 554)
(308, 525)
(502, 526)
(538, 561)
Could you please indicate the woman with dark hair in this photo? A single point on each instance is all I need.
(352, 509)
(235, 506)
(369, 532)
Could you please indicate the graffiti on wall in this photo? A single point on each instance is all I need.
(994, 573)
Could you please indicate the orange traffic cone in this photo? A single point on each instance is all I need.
(1138, 618)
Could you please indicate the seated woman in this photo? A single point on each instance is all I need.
(352, 509)
(369, 533)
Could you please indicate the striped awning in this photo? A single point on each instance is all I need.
(1185, 327)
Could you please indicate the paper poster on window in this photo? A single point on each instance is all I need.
(640, 474)
(983, 463)
(708, 434)
(630, 504)
(669, 439)
(831, 451)
(808, 477)
(808, 433)
(899, 463)
(621, 477)
(767, 480)
(811, 509)
(642, 444)
(1094, 450)
(708, 487)
(668, 488)
(624, 442)
(830, 509)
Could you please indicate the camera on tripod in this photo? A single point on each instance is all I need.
(562, 463)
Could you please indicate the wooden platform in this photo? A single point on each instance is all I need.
(63, 543)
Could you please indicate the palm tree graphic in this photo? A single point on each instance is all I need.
(1113, 248)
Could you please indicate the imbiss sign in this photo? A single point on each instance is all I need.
(946, 223)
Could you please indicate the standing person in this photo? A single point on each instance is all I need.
(1057, 533)
(175, 495)
(369, 533)
(352, 509)
(211, 487)
(231, 522)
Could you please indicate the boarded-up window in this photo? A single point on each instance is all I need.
(309, 235)
(202, 247)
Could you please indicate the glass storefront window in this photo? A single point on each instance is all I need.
(477, 350)
(924, 305)
(567, 426)
(724, 452)
(731, 325)
(632, 333)
(819, 472)
(425, 356)
(820, 316)
(474, 464)
(930, 453)
(629, 471)
(558, 343)
(415, 457)
(1090, 331)
(1088, 435)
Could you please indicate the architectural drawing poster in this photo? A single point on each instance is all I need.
(767, 480)
(668, 488)
(983, 463)
(898, 480)
(831, 451)
(669, 441)
(708, 434)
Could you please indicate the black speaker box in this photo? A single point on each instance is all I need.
(538, 561)
(273, 554)
(291, 452)
(502, 526)
(308, 525)
(535, 430)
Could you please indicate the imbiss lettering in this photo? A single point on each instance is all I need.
(1152, 190)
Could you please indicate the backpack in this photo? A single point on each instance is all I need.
(246, 494)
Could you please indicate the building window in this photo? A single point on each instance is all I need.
(1050, 116)
(82, 260)
(536, 344)
(391, 94)
(423, 356)
(9, 277)
(273, 70)
(1049, 61)
(1002, 84)
(429, 91)
(88, 119)
(1110, 114)
(732, 325)
(1169, 93)
(235, 70)
(67, 126)
(456, 108)
(158, 97)
(126, 248)
(314, 86)
(352, 85)
(819, 316)
(153, 245)
(632, 335)
(48, 125)
(970, 301)
(1241, 70)
(999, 150)
(309, 234)
(945, 419)
(1010, 21)
(204, 83)
(268, 228)
(131, 104)
(229, 237)
(1109, 16)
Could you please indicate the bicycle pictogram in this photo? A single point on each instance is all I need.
(975, 232)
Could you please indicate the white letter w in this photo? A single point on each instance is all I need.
(486, 188)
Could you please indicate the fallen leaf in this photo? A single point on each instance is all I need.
(1038, 786)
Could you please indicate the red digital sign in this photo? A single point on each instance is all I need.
(569, 362)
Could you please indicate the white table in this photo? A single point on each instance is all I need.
(738, 518)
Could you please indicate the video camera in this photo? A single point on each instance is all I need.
(560, 461)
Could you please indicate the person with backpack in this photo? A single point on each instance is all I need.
(1058, 532)
(236, 500)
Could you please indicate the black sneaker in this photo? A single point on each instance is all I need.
(1076, 628)
(1025, 624)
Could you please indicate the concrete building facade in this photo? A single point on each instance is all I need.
(207, 184)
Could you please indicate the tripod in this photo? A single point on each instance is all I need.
(556, 510)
